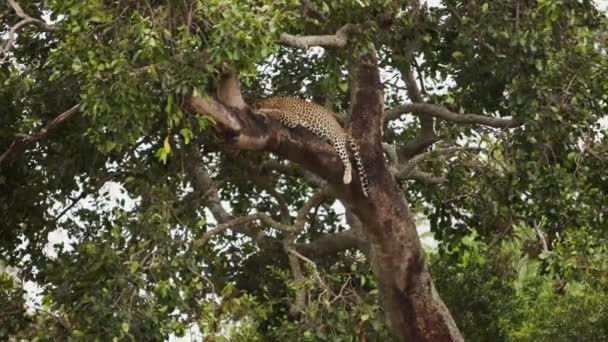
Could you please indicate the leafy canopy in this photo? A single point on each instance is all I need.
(521, 223)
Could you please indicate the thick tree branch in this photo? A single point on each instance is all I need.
(332, 244)
(21, 139)
(221, 114)
(246, 129)
(440, 152)
(339, 39)
(445, 114)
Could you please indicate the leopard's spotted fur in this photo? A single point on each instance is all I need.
(291, 112)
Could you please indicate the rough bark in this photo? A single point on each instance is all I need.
(413, 309)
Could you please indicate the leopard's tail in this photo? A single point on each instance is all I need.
(359, 165)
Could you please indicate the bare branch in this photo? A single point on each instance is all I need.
(52, 125)
(313, 268)
(340, 39)
(445, 114)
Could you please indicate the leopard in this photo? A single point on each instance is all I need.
(322, 122)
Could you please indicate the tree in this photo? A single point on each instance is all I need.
(214, 226)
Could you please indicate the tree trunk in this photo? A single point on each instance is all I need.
(413, 309)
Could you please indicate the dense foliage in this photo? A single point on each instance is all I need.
(521, 218)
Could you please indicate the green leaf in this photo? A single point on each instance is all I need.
(134, 266)
(457, 55)
(169, 106)
(187, 134)
(163, 152)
